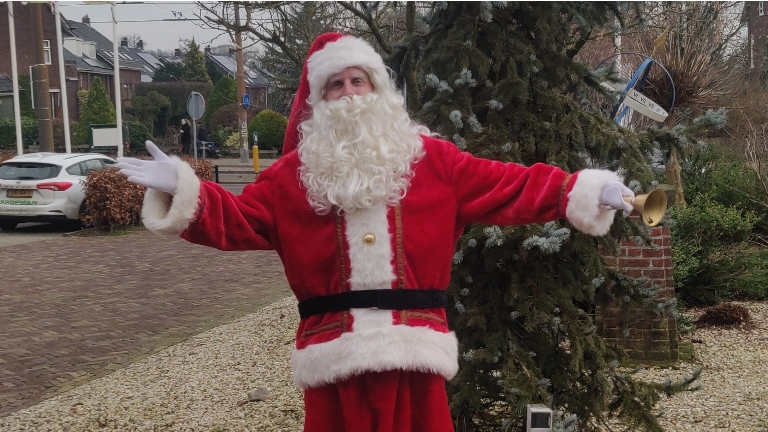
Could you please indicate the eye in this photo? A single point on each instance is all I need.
(334, 84)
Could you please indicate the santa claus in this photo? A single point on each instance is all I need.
(365, 208)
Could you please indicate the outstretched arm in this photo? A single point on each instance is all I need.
(177, 202)
(493, 192)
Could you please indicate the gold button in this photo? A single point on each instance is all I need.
(369, 239)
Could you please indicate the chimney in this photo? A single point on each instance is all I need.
(86, 20)
(207, 49)
(177, 52)
(124, 42)
(140, 44)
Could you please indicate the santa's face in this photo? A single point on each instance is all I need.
(357, 151)
(349, 82)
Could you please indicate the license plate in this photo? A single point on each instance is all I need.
(19, 193)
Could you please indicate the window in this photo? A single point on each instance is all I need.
(760, 10)
(91, 165)
(75, 169)
(752, 52)
(47, 51)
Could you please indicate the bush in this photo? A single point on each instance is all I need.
(138, 135)
(226, 116)
(111, 200)
(59, 144)
(743, 273)
(8, 132)
(271, 128)
(219, 135)
(722, 176)
(178, 93)
(704, 237)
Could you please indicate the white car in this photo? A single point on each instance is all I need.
(45, 187)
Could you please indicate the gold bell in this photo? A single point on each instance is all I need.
(369, 239)
(651, 206)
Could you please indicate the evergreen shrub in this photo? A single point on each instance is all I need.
(8, 132)
(271, 128)
(219, 135)
(224, 93)
(138, 135)
(98, 109)
(706, 239)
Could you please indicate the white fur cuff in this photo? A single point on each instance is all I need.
(164, 213)
(583, 210)
(391, 348)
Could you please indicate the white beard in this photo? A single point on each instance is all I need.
(358, 152)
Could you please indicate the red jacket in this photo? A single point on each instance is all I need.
(414, 246)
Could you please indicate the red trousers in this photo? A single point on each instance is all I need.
(392, 401)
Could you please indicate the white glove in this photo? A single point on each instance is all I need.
(611, 197)
(159, 174)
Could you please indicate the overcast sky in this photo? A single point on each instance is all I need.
(156, 34)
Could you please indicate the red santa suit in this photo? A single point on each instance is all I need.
(350, 359)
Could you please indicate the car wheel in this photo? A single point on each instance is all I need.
(6, 225)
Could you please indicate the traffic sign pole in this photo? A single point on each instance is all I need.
(195, 109)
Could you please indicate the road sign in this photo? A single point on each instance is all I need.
(246, 101)
(196, 106)
(255, 138)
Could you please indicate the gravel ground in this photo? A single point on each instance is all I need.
(203, 383)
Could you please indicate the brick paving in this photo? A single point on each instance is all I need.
(77, 308)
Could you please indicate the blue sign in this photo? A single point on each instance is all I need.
(246, 101)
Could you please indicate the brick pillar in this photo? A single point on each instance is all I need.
(651, 336)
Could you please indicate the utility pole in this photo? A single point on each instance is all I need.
(40, 79)
(242, 114)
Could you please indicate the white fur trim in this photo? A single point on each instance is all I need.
(336, 56)
(171, 214)
(583, 210)
(370, 265)
(397, 347)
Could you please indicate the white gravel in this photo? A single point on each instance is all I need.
(202, 384)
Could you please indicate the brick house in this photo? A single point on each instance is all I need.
(256, 85)
(25, 53)
(87, 55)
(756, 17)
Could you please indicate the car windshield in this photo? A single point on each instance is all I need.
(28, 171)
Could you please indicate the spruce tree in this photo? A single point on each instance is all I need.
(499, 80)
(98, 109)
(194, 64)
(224, 93)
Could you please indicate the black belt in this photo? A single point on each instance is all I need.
(392, 299)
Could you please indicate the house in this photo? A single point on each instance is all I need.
(756, 17)
(87, 55)
(6, 96)
(149, 62)
(25, 54)
(256, 85)
(95, 50)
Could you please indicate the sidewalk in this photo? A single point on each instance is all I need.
(77, 308)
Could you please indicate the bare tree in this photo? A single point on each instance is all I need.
(133, 40)
(285, 30)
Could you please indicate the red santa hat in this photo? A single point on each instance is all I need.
(330, 54)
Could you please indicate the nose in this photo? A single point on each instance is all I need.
(349, 89)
